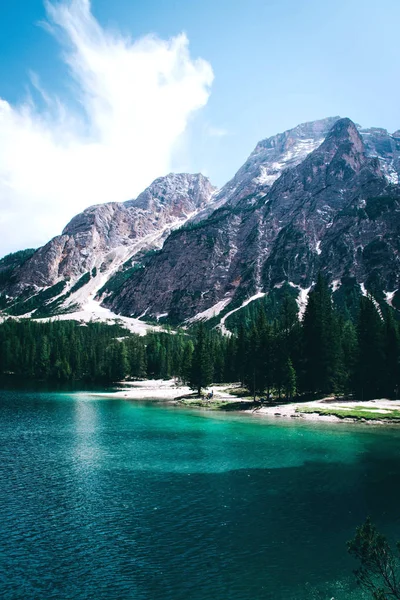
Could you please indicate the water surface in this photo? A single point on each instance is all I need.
(107, 499)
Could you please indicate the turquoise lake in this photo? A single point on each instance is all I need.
(111, 499)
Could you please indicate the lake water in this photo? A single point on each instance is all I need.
(110, 499)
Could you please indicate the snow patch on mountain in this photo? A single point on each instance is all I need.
(271, 157)
(93, 312)
(221, 325)
(365, 293)
(379, 143)
(389, 297)
(302, 297)
(211, 312)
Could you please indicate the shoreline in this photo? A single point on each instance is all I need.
(330, 409)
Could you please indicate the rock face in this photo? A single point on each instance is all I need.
(386, 147)
(270, 158)
(324, 196)
(104, 236)
(337, 211)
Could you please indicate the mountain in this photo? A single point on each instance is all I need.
(97, 242)
(323, 196)
(381, 144)
(337, 212)
(270, 158)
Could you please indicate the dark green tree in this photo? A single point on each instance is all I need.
(289, 380)
(392, 355)
(185, 370)
(321, 342)
(202, 368)
(348, 357)
(369, 370)
(379, 567)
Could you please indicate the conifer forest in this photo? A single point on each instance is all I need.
(331, 350)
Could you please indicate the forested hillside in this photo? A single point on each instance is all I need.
(271, 351)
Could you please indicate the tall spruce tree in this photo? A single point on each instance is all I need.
(348, 357)
(369, 381)
(321, 341)
(185, 371)
(202, 368)
(392, 356)
(289, 380)
(242, 347)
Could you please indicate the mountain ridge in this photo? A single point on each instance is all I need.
(282, 217)
(256, 245)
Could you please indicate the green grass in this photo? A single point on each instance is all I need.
(238, 391)
(199, 402)
(356, 412)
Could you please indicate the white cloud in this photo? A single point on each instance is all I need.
(136, 98)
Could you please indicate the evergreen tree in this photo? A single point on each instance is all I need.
(241, 360)
(392, 356)
(321, 342)
(348, 357)
(202, 369)
(43, 358)
(289, 380)
(370, 362)
(185, 370)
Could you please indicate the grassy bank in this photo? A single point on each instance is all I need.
(356, 412)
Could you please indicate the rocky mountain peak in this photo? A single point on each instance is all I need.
(321, 196)
(271, 157)
(303, 133)
(343, 130)
(334, 211)
(345, 145)
(104, 236)
(336, 159)
(175, 188)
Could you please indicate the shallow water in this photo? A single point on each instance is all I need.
(109, 499)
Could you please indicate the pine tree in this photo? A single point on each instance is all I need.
(185, 370)
(289, 380)
(44, 358)
(370, 361)
(202, 369)
(392, 356)
(241, 360)
(321, 342)
(348, 357)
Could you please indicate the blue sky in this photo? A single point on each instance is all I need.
(274, 64)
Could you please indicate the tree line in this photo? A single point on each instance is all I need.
(326, 352)
(323, 353)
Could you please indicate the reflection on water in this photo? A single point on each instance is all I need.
(87, 447)
(111, 499)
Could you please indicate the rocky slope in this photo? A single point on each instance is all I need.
(323, 196)
(270, 158)
(337, 211)
(101, 239)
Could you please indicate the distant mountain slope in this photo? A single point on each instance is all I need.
(100, 240)
(323, 196)
(270, 158)
(337, 211)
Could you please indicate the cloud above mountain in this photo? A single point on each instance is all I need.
(133, 100)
